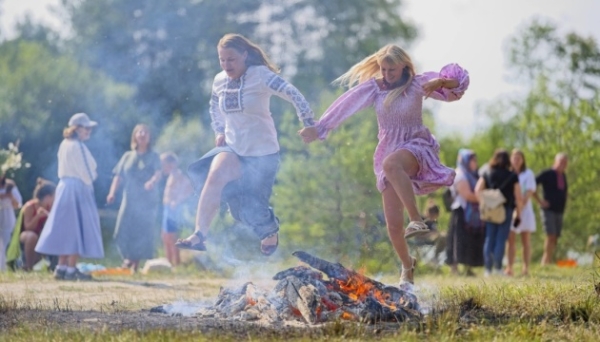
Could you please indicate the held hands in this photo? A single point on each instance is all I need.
(433, 85)
(544, 204)
(309, 134)
(41, 212)
(220, 140)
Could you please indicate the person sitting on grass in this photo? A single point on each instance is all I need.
(30, 223)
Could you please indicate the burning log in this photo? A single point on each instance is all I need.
(358, 286)
(302, 293)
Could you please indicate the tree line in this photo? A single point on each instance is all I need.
(127, 62)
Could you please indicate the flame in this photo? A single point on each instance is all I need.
(358, 288)
(250, 301)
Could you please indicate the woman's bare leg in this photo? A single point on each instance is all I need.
(512, 251)
(398, 168)
(394, 218)
(167, 246)
(225, 167)
(526, 241)
(29, 240)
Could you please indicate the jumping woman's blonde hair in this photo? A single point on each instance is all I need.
(241, 44)
(137, 128)
(370, 67)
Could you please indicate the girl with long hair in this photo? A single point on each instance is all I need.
(406, 160)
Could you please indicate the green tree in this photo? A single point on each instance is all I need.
(559, 113)
(166, 49)
(41, 90)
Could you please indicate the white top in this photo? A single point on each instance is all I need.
(459, 201)
(71, 161)
(7, 212)
(527, 183)
(240, 109)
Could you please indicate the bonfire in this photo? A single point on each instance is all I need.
(320, 293)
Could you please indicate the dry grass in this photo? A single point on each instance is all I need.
(552, 305)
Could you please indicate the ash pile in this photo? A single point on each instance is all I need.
(320, 293)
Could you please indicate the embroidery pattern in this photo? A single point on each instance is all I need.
(299, 101)
(233, 95)
(276, 83)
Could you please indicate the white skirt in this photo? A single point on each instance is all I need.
(527, 220)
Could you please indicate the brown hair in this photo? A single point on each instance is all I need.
(70, 132)
(241, 44)
(520, 153)
(43, 188)
(138, 127)
(500, 160)
(169, 157)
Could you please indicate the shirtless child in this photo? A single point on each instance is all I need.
(178, 188)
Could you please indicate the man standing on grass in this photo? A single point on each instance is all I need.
(554, 183)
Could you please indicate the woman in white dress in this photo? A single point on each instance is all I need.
(10, 200)
(527, 223)
(72, 229)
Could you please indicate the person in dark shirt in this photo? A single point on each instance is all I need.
(554, 184)
(499, 176)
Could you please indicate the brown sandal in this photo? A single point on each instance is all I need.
(416, 228)
(407, 275)
(268, 250)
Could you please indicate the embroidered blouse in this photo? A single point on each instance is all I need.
(75, 160)
(240, 109)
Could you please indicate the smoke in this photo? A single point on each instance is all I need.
(187, 309)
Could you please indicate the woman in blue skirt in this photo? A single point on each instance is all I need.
(241, 169)
(72, 229)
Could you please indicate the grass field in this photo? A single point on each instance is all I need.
(553, 304)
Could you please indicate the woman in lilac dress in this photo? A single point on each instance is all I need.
(406, 160)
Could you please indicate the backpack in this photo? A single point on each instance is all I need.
(491, 203)
(447, 199)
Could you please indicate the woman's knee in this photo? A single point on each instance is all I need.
(400, 162)
(28, 237)
(392, 166)
(222, 175)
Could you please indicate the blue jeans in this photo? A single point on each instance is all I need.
(495, 242)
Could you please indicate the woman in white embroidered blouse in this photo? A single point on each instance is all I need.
(72, 229)
(241, 169)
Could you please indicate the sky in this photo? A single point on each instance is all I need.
(472, 33)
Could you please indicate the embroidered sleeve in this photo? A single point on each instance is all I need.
(280, 87)
(450, 71)
(216, 116)
(351, 102)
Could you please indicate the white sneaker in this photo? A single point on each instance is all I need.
(498, 273)
(487, 274)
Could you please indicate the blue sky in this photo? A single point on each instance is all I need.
(473, 33)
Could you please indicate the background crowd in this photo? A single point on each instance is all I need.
(126, 62)
(473, 242)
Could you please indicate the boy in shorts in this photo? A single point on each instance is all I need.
(177, 189)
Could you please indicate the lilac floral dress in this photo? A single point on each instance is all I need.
(401, 125)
